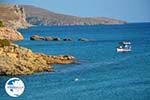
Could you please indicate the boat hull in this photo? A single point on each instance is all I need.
(123, 50)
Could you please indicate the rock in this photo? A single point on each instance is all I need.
(56, 39)
(20, 61)
(10, 34)
(37, 37)
(83, 39)
(1, 50)
(57, 59)
(67, 39)
(16, 60)
(48, 38)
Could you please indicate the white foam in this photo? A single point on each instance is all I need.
(76, 79)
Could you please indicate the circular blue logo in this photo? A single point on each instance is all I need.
(14, 87)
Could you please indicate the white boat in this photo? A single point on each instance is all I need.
(124, 46)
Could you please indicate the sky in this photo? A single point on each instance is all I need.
(128, 10)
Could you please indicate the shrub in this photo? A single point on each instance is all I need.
(4, 42)
(1, 24)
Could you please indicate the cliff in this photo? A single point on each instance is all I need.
(13, 16)
(39, 16)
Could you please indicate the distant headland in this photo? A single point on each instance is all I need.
(23, 16)
(40, 16)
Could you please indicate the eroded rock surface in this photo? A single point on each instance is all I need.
(15, 60)
(10, 34)
(13, 16)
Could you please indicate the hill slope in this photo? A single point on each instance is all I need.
(39, 16)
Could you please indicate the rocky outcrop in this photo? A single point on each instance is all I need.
(13, 16)
(49, 38)
(83, 39)
(66, 59)
(37, 37)
(10, 34)
(67, 39)
(56, 39)
(46, 38)
(15, 60)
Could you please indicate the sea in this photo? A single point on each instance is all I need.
(101, 72)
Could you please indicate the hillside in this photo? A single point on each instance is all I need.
(39, 16)
(13, 16)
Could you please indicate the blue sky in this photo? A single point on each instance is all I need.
(129, 10)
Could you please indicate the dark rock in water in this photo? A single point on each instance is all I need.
(36, 37)
(48, 38)
(83, 39)
(56, 39)
(67, 39)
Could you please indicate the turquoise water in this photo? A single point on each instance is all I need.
(103, 74)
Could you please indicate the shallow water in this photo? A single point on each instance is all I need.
(102, 74)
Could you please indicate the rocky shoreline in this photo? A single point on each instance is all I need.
(16, 60)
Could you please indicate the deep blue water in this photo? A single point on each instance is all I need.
(103, 73)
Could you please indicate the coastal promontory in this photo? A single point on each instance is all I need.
(16, 60)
